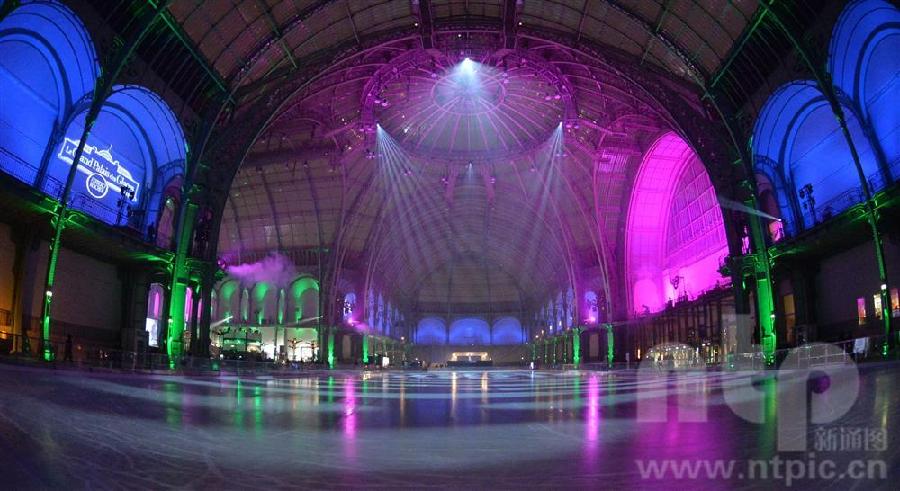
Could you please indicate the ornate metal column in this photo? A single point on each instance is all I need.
(60, 215)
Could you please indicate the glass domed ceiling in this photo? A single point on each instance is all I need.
(470, 108)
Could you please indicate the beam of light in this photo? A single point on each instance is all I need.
(405, 189)
(467, 77)
(545, 163)
(222, 321)
(401, 182)
(738, 206)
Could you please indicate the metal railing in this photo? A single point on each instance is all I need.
(16, 167)
(98, 356)
(868, 348)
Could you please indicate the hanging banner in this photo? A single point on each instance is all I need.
(101, 171)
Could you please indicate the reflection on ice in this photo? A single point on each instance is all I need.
(385, 428)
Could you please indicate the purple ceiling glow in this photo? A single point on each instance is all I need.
(468, 109)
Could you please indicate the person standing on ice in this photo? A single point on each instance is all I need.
(68, 353)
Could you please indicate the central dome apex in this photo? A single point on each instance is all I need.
(466, 106)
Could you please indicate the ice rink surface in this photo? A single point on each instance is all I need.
(70, 429)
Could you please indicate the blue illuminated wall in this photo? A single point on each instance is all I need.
(431, 330)
(47, 74)
(48, 67)
(470, 330)
(865, 67)
(507, 330)
(798, 141)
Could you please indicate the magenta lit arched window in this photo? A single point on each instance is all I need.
(675, 232)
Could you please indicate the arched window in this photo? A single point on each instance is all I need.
(188, 304)
(379, 314)
(431, 330)
(305, 299)
(165, 228)
(675, 234)
(155, 300)
(768, 204)
(48, 67)
(799, 146)
(592, 308)
(135, 149)
(228, 301)
(559, 313)
(370, 308)
(264, 298)
(507, 330)
(245, 306)
(470, 330)
(865, 67)
(349, 306)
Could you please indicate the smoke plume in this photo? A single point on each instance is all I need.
(275, 269)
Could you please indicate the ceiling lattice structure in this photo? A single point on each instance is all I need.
(497, 194)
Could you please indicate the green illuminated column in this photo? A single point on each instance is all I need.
(60, 215)
(48, 293)
(175, 331)
(765, 297)
(576, 346)
(330, 348)
(194, 320)
(280, 307)
(610, 345)
(59, 221)
(554, 350)
(365, 349)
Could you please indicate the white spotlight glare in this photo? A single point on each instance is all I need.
(468, 66)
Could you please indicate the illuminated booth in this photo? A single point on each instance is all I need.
(263, 319)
